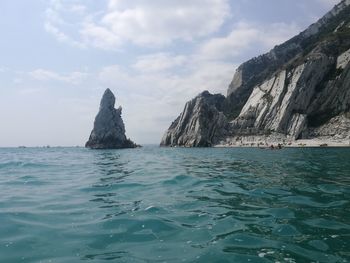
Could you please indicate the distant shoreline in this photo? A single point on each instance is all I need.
(304, 143)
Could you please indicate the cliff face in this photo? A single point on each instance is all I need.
(109, 129)
(294, 100)
(256, 70)
(300, 89)
(201, 124)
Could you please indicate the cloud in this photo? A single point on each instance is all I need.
(17, 81)
(169, 51)
(47, 75)
(176, 86)
(160, 22)
(28, 91)
(62, 37)
(159, 62)
(100, 37)
(156, 93)
(141, 22)
(155, 98)
(328, 3)
(245, 36)
(61, 19)
(78, 8)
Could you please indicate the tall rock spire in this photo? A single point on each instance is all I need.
(109, 129)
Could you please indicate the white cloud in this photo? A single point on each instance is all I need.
(165, 81)
(277, 33)
(28, 91)
(62, 37)
(154, 87)
(140, 22)
(46, 75)
(328, 3)
(78, 9)
(245, 36)
(160, 22)
(61, 17)
(155, 98)
(72, 6)
(99, 37)
(159, 62)
(212, 76)
(17, 81)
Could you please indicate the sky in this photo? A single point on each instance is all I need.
(57, 57)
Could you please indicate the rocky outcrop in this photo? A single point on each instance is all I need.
(336, 128)
(257, 70)
(109, 129)
(281, 103)
(298, 90)
(200, 124)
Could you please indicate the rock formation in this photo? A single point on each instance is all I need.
(109, 129)
(201, 123)
(298, 90)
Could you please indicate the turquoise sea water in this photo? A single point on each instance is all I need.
(174, 205)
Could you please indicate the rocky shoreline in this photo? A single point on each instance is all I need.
(309, 143)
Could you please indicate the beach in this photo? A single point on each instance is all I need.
(275, 140)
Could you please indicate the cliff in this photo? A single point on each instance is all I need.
(298, 90)
(109, 129)
(201, 124)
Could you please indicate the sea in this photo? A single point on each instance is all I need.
(156, 204)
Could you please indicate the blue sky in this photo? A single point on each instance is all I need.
(57, 58)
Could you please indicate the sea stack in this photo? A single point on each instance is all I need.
(109, 129)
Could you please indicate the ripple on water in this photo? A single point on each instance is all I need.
(174, 205)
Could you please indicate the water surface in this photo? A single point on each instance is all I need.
(174, 205)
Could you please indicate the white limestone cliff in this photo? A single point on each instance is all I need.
(298, 90)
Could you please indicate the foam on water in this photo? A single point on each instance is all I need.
(174, 205)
